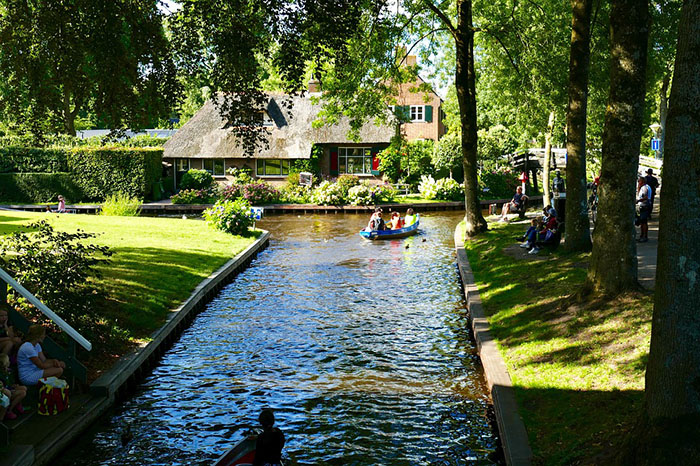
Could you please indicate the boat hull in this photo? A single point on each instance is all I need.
(391, 234)
(241, 454)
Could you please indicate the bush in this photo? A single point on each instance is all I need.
(361, 195)
(33, 160)
(444, 189)
(57, 268)
(260, 193)
(230, 216)
(345, 182)
(121, 205)
(196, 179)
(193, 196)
(232, 192)
(240, 175)
(103, 171)
(498, 183)
(39, 188)
(296, 194)
(327, 193)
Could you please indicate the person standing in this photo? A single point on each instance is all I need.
(643, 209)
(653, 183)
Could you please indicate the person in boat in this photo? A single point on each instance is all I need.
(396, 222)
(410, 218)
(268, 446)
(376, 222)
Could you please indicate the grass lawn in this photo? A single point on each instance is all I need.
(156, 264)
(577, 367)
(413, 199)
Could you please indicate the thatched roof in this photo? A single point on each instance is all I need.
(205, 135)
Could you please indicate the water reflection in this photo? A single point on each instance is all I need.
(361, 347)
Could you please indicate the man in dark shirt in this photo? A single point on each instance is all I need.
(268, 446)
(653, 183)
(515, 205)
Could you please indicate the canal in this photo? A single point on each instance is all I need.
(362, 349)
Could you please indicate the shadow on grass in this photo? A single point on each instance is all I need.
(11, 224)
(569, 427)
(143, 284)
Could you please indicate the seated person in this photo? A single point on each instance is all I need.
(17, 392)
(376, 222)
(31, 362)
(548, 235)
(530, 236)
(396, 221)
(410, 218)
(8, 339)
(515, 205)
(269, 444)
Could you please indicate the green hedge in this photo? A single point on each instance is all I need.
(104, 171)
(33, 188)
(16, 159)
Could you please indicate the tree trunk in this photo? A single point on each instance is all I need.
(578, 233)
(68, 115)
(465, 83)
(663, 112)
(670, 426)
(613, 266)
(547, 199)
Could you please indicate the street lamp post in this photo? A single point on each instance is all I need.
(657, 148)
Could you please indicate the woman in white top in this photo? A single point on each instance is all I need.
(31, 362)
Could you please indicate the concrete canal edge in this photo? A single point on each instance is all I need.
(516, 447)
(127, 371)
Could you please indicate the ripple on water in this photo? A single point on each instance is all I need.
(362, 348)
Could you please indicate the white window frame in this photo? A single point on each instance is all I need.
(419, 112)
(343, 154)
(282, 162)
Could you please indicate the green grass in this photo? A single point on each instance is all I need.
(413, 199)
(157, 262)
(577, 367)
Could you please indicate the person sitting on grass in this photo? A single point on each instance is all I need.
(547, 235)
(530, 236)
(17, 392)
(32, 365)
(8, 339)
(515, 205)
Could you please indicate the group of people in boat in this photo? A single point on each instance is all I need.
(377, 222)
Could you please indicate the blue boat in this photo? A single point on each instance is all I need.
(412, 229)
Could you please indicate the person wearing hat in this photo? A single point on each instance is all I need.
(558, 186)
(653, 183)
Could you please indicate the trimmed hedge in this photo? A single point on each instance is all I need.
(16, 159)
(103, 171)
(22, 188)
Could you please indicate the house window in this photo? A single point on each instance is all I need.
(272, 167)
(214, 166)
(354, 160)
(417, 113)
(182, 165)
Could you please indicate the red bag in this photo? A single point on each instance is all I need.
(53, 396)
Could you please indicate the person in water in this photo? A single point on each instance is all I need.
(268, 446)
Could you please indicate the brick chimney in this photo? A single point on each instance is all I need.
(314, 86)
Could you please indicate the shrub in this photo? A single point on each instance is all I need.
(327, 193)
(240, 175)
(196, 179)
(121, 205)
(498, 183)
(361, 195)
(444, 189)
(296, 194)
(230, 216)
(39, 187)
(193, 196)
(33, 160)
(107, 170)
(260, 193)
(345, 182)
(232, 192)
(57, 267)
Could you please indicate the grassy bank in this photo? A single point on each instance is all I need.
(157, 262)
(577, 367)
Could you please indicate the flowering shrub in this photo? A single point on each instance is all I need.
(296, 194)
(444, 189)
(361, 195)
(230, 216)
(193, 196)
(240, 175)
(498, 183)
(259, 193)
(231, 192)
(328, 193)
(383, 193)
(345, 182)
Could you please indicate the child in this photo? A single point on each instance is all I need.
(61, 204)
(16, 392)
(396, 221)
(530, 236)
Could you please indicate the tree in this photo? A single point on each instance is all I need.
(670, 424)
(448, 153)
(61, 58)
(613, 266)
(578, 237)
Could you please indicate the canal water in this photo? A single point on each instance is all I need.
(362, 348)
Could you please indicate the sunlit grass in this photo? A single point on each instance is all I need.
(577, 367)
(157, 262)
